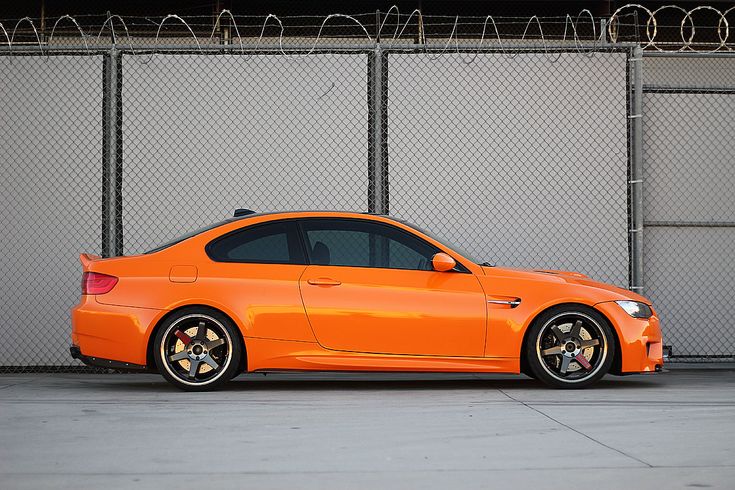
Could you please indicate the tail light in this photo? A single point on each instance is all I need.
(96, 283)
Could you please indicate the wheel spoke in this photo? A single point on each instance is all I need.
(215, 343)
(183, 337)
(211, 362)
(565, 364)
(179, 356)
(589, 343)
(194, 368)
(583, 361)
(576, 329)
(558, 333)
(201, 331)
(551, 351)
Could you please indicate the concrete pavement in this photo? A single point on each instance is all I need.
(674, 430)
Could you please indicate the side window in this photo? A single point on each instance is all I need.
(359, 243)
(271, 243)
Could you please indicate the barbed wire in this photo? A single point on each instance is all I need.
(687, 43)
(110, 19)
(73, 21)
(30, 21)
(687, 31)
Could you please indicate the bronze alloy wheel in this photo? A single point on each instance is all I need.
(197, 350)
(570, 347)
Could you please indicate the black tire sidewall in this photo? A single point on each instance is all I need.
(534, 362)
(235, 350)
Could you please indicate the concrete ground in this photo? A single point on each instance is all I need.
(674, 430)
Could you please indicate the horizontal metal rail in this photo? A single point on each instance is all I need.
(691, 224)
(687, 89)
(689, 54)
(306, 47)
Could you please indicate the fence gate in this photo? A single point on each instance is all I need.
(689, 177)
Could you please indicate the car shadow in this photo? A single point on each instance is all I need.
(367, 382)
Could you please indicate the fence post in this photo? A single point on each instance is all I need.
(112, 244)
(636, 171)
(603, 32)
(378, 159)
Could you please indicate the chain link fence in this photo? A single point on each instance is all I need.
(205, 134)
(484, 148)
(526, 155)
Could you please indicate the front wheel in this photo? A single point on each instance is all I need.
(570, 347)
(197, 349)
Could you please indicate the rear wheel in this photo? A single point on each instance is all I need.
(197, 349)
(570, 347)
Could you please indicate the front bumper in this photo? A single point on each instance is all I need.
(641, 342)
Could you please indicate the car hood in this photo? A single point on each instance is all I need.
(557, 276)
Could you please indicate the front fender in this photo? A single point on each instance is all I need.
(506, 325)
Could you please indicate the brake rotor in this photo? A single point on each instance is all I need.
(179, 346)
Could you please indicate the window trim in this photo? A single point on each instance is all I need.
(304, 259)
(460, 268)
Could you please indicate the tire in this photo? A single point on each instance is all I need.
(197, 349)
(570, 347)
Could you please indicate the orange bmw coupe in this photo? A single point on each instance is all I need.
(336, 291)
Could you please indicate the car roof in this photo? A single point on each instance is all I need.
(316, 212)
(312, 214)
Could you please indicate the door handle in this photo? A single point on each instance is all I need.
(324, 281)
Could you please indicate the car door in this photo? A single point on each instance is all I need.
(370, 288)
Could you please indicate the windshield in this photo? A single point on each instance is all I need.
(443, 241)
(189, 235)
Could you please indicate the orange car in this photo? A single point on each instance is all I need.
(335, 291)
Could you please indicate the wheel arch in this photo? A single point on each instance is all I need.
(150, 361)
(617, 358)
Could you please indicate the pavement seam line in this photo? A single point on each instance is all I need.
(577, 431)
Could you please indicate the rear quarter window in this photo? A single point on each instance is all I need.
(269, 243)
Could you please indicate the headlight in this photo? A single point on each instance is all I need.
(636, 309)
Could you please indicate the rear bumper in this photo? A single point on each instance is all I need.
(109, 333)
(92, 361)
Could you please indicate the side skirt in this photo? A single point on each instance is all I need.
(270, 355)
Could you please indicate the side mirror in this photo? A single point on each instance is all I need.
(442, 262)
